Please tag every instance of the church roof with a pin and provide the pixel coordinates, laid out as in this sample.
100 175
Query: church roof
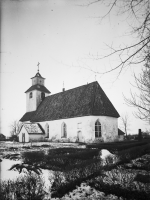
33 128
41 88
27 116
120 132
85 100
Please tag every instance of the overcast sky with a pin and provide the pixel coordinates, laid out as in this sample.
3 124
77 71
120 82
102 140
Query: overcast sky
64 36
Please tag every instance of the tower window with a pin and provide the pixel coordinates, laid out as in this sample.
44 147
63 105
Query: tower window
30 95
97 129
42 96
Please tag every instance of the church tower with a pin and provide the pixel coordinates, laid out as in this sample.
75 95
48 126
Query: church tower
36 93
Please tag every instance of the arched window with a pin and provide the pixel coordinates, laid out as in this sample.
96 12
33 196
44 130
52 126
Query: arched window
97 129
30 95
47 130
64 130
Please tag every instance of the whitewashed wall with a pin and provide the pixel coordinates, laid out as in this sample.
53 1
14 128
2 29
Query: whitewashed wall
32 103
36 137
86 126
121 137
23 130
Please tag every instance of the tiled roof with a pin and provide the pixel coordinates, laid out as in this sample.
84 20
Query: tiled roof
120 132
41 88
27 116
33 128
85 100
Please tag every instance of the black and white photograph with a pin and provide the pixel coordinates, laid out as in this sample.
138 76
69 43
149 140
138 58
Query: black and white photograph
75 100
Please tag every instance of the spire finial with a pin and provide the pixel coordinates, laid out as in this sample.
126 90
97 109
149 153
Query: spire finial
38 66
95 77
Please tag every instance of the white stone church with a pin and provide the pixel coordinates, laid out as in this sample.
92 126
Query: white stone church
82 114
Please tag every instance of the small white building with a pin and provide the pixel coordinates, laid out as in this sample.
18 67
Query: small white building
83 114
30 132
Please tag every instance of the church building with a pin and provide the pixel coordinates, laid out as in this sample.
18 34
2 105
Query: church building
81 114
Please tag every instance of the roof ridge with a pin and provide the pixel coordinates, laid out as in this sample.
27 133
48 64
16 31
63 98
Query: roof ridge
71 89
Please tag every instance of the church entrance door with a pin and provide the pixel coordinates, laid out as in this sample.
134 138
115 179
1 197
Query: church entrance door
80 136
23 137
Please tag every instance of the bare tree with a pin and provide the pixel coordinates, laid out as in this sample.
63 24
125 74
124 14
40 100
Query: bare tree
141 99
139 13
15 127
125 123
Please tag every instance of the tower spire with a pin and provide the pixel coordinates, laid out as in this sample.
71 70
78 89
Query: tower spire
38 66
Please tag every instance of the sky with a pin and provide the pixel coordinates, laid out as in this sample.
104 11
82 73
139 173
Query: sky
64 36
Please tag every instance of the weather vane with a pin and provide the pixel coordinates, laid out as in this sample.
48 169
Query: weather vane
38 66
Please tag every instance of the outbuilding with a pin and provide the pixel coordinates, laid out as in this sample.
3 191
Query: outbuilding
31 132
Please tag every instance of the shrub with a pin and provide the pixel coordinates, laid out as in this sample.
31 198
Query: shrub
64 151
67 158
26 147
70 179
33 157
132 153
73 178
14 156
61 159
119 146
14 138
13 148
36 146
117 190
27 167
99 140
139 163
25 187
142 178
45 145
119 176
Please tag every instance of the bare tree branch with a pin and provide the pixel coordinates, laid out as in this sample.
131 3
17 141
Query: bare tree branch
138 10
141 101
125 123
15 127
